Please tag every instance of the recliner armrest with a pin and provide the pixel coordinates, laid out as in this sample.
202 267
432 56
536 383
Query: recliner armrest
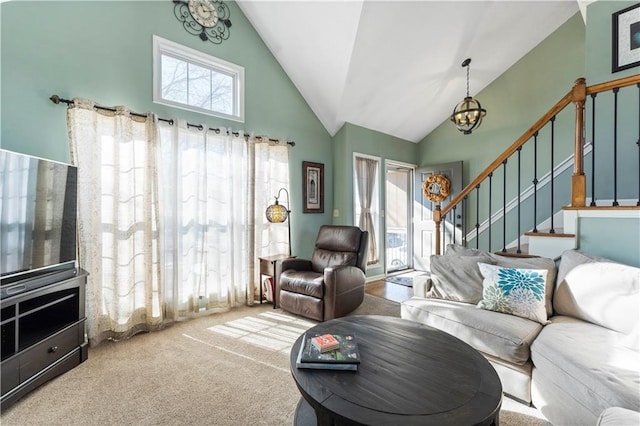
343 290
343 278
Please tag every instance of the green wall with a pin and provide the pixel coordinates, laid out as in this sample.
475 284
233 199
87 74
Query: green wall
103 51
514 101
352 139
599 41
616 239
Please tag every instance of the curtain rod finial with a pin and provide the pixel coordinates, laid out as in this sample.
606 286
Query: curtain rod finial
57 100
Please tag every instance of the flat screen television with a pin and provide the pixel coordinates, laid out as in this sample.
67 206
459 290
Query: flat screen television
38 214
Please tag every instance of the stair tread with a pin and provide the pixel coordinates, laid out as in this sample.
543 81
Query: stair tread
512 252
547 233
602 208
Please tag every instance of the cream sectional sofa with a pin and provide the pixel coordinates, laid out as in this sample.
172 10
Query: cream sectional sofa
577 356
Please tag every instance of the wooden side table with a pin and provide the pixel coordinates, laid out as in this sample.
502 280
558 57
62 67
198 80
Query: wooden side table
268 268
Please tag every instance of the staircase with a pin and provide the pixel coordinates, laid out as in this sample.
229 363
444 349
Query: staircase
555 204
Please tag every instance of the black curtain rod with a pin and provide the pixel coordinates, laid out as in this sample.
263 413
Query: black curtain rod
57 99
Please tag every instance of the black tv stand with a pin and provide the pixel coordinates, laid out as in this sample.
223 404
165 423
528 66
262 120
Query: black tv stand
43 335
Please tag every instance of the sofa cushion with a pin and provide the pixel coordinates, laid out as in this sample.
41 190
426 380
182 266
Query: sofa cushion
519 292
600 291
458 250
589 363
515 262
504 336
457 278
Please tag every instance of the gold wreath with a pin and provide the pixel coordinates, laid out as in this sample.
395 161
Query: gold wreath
441 182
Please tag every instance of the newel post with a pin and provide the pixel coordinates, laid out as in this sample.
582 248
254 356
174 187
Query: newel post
578 180
437 218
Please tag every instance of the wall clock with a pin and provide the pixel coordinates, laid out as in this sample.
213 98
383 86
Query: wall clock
207 19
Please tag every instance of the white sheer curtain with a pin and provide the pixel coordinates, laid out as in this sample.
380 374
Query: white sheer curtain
171 218
118 219
204 199
271 174
366 173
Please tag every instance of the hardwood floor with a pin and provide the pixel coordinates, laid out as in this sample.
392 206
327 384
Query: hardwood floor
390 291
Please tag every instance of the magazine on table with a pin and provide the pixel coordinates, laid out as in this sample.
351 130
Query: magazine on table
345 357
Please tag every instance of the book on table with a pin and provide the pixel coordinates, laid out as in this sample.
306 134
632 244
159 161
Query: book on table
325 342
344 357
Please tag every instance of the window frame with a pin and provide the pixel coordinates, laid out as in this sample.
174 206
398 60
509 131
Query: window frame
177 51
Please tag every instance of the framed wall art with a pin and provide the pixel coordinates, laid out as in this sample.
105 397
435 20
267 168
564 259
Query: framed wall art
312 187
625 51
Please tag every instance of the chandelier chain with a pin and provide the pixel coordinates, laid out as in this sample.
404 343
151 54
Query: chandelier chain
467 81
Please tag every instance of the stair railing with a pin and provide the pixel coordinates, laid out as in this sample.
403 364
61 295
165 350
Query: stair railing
577 95
593 91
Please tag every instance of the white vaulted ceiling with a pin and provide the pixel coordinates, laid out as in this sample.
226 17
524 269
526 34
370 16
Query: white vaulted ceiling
395 66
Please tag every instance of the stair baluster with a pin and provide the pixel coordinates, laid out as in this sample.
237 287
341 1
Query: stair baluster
553 132
593 149
519 228
535 182
504 206
444 229
464 220
490 199
615 147
477 215
454 223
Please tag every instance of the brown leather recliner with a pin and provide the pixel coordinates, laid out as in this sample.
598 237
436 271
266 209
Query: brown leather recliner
331 284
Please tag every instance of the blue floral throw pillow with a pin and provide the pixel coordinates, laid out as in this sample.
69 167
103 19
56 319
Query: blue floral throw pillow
514 291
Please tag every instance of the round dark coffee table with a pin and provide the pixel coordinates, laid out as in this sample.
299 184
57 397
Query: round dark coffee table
410 374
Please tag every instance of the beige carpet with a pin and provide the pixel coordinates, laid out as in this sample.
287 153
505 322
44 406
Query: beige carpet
224 369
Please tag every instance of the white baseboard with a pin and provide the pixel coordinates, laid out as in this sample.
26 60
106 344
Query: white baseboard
375 278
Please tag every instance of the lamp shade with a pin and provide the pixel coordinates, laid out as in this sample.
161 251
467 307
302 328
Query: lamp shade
276 213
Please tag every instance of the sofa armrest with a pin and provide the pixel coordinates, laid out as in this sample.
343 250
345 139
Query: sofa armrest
421 285
618 416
